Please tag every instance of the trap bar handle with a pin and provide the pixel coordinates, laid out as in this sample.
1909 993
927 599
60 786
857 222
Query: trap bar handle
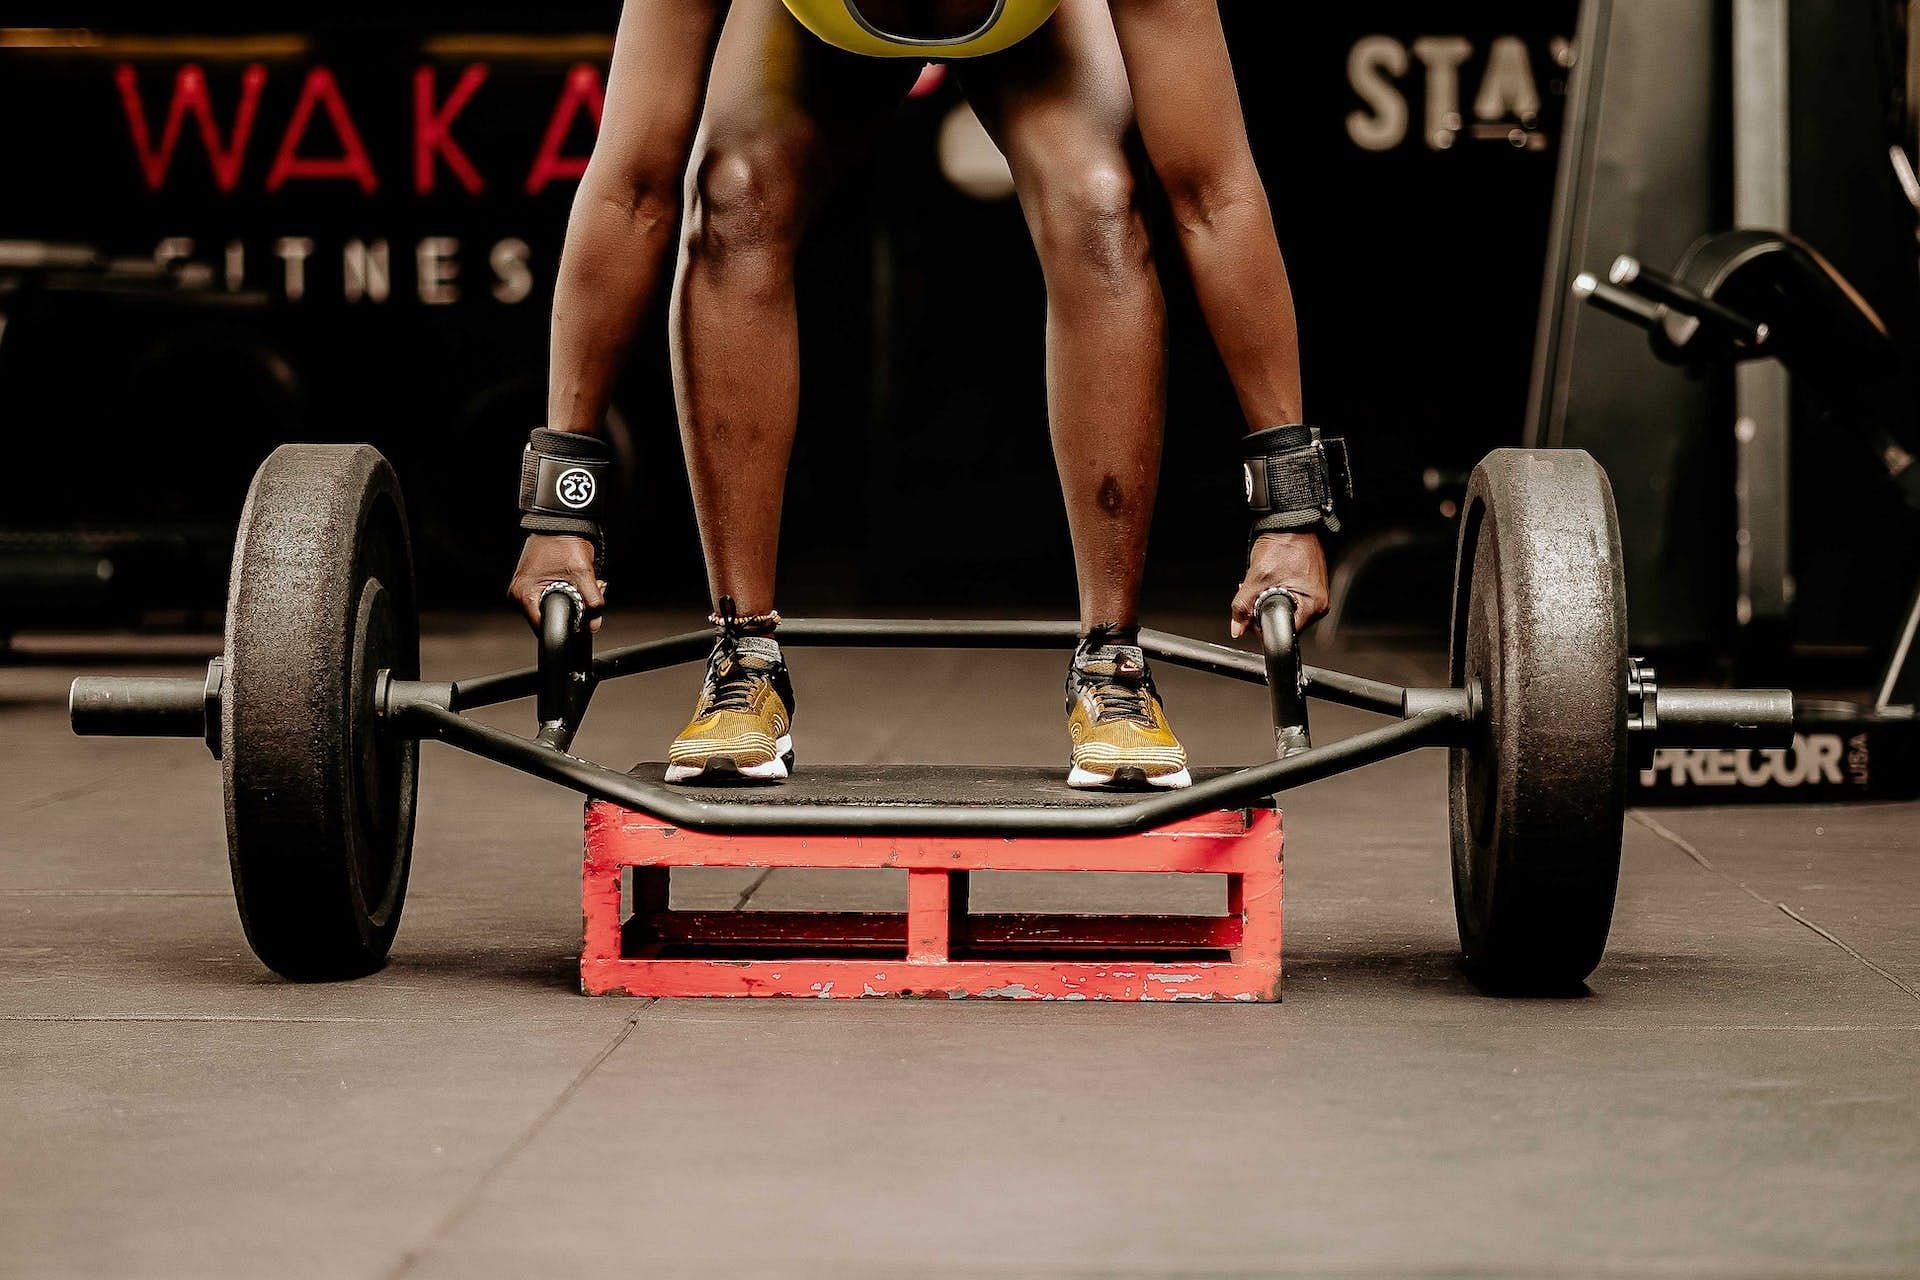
1286 677
566 667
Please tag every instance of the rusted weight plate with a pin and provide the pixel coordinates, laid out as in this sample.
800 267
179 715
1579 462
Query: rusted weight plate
319 803
1538 798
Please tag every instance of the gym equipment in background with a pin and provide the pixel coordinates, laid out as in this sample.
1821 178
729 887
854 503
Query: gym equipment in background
1749 296
316 710
1686 117
1761 538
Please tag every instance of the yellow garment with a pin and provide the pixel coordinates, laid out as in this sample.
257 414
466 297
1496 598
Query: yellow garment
925 29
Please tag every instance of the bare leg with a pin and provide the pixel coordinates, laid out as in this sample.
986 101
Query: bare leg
1196 135
617 235
782 112
627 204
1059 107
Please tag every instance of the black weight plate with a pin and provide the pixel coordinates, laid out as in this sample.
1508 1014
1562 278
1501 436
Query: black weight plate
1539 797
319 803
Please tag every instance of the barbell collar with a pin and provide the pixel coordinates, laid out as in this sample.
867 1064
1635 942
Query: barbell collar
1455 704
393 699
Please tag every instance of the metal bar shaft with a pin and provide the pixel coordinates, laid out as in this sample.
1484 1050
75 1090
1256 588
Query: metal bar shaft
1762 32
692 646
684 809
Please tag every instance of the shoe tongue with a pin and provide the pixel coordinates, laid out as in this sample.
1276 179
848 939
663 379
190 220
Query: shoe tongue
757 651
1126 661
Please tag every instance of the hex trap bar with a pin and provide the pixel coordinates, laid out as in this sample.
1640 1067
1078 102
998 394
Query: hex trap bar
568 672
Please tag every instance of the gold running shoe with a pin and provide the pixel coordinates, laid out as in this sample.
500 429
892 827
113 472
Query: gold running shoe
1119 729
742 727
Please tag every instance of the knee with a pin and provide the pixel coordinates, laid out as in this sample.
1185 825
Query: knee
1198 197
639 191
1089 223
745 198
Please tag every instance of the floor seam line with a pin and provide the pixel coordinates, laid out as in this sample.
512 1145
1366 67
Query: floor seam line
55 797
1791 914
467 1202
1687 848
115 893
195 1017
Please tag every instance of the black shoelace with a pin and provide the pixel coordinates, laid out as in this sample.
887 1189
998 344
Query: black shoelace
1118 701
731 684
1120 694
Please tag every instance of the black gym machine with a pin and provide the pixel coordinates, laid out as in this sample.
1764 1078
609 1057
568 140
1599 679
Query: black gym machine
1709 312
1780 115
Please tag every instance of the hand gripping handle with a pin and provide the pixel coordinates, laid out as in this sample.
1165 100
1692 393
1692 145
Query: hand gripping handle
1286 678
566 665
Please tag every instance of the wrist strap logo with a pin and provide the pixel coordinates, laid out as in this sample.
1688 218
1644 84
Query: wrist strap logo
575 488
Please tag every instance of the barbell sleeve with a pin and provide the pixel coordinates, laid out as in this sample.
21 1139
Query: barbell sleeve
138 707
1759 718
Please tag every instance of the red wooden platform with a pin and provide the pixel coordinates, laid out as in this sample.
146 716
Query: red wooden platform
636 945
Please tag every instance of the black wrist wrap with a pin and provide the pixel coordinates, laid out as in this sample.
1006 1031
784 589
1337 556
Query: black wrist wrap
565 484
1295 478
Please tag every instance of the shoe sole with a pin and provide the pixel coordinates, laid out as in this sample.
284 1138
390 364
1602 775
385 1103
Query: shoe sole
722 769
1126 779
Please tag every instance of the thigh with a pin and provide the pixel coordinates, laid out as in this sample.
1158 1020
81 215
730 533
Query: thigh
1059 97
775 84
657 80
1189 104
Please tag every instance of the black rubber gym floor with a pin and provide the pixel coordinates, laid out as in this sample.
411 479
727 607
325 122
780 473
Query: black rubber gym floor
1738 1094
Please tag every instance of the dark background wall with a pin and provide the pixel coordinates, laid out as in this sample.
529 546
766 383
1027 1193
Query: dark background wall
1409 147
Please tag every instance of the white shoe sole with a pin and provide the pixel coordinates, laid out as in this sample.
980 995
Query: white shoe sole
1087 780
774 770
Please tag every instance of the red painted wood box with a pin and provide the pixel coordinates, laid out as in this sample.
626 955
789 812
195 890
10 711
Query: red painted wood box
636 945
